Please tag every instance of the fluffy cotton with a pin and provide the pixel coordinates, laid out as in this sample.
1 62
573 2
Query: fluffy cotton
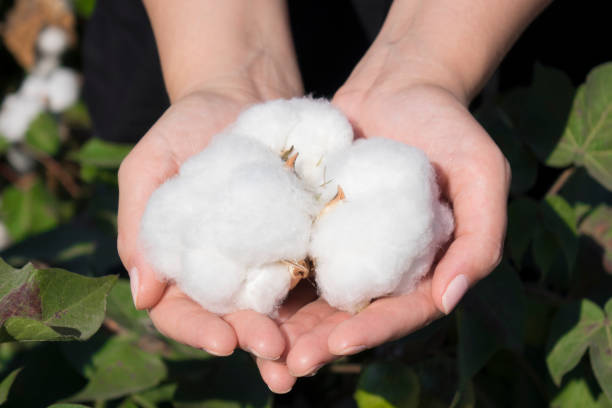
16 113
62 89
313 128
383 236
52 41
222 227
228 227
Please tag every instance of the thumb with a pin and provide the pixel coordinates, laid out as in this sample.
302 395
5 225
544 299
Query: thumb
141 172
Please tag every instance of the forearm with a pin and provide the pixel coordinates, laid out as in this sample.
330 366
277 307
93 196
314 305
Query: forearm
455 44
229 43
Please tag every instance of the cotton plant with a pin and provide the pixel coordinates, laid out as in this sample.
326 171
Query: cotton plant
48 87
286 193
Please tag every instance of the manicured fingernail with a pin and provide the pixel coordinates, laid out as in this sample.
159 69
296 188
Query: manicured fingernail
258 355
134 284
218 354
352 349
281 392
313 371
454 292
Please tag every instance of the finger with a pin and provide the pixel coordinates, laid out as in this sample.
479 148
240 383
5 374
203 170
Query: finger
479 207
310 351
257 334
183 320
384 320
276 375
145 168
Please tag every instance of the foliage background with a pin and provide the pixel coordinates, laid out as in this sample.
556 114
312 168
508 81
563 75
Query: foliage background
537 332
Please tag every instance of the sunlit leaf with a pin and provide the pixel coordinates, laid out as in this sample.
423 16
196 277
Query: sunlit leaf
575 394
387 385
50 304
571 333
6 383
102 154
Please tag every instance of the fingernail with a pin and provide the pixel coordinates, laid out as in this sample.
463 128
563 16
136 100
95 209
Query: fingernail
218 354
258 355
454 292
353 349
313 371
281 392
134 284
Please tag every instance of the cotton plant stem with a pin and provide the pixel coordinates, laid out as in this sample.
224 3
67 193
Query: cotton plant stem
561 180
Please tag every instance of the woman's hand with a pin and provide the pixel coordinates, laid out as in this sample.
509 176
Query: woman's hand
475 178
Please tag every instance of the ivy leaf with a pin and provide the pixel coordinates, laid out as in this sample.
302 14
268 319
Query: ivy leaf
6 383
523 215
387 385
560 219
77 115
4 144
540 111
120 368
50 304
102 154
587 139
121 309
576 393
67 406
492 316
28 211
598 226
600 354
43 134
571 333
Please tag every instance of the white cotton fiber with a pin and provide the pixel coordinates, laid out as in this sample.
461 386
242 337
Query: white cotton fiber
233 208
313 128
62 89
230 227
385 233
52 41
16 113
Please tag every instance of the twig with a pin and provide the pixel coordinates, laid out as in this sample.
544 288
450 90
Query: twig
8 173
558 184
55 169
349 368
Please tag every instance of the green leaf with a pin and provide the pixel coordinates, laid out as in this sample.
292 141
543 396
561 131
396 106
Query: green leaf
576 394
600 354
4 144
540 111
50 304
6 383
155 396
571 333
603 401
43 134
598 226
120 308
120 368
492 317
77 115
560 219
387 385
84 8
587 139
67 406
28 211
102 154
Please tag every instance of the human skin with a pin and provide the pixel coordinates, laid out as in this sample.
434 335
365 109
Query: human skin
413 85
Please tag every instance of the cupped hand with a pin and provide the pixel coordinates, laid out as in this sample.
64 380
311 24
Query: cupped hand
184 130
474 176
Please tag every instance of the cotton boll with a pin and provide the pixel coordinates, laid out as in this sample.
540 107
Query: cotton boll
35 87
16 113
265 287
63 89
52 40
383 236
265 215
211 279
20 160
269 123
376 165
321 130
45 65
362 248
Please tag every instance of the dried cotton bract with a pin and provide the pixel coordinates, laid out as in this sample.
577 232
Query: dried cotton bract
285 192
